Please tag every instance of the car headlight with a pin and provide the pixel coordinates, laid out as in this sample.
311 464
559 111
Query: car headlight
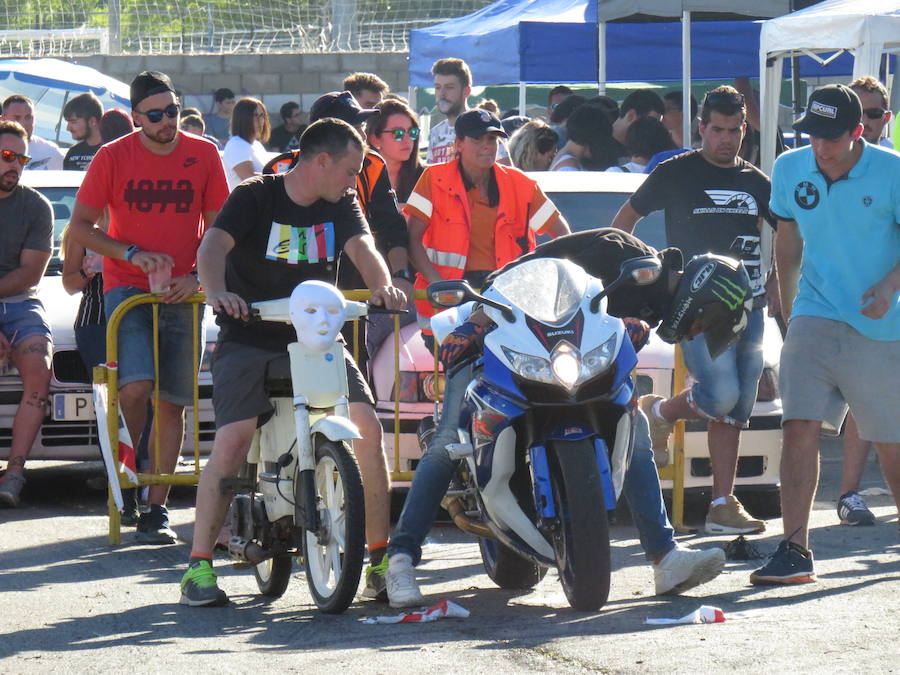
597 360
565 362
532 368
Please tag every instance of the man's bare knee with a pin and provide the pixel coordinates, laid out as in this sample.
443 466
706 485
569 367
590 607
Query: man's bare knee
135 393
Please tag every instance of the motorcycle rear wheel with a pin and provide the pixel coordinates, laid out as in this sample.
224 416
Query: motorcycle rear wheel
508 569
273 575
334 561
581 540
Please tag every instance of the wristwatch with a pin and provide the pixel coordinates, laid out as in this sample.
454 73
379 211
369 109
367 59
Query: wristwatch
130 251
405 274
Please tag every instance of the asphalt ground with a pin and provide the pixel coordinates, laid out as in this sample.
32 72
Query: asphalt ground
73 603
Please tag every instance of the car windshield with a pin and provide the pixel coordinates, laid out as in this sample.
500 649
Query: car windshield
548 290
63 201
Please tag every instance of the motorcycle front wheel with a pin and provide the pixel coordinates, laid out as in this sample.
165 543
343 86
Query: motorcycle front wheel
581 538
508 569
334 554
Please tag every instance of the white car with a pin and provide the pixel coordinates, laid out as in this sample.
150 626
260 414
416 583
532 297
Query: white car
589 200
69 432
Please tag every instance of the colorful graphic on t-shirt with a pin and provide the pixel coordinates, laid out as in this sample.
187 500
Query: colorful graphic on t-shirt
294 245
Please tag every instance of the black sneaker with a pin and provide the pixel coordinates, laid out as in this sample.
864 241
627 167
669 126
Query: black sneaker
130 512
852 510
790 564
153 527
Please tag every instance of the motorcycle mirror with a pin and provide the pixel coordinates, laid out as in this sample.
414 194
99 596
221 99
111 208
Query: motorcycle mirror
449 293
640 271
643 271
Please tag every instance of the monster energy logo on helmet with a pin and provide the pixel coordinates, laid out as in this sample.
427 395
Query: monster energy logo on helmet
729 292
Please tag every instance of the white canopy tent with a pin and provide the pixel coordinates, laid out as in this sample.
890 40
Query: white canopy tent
612 10
867 29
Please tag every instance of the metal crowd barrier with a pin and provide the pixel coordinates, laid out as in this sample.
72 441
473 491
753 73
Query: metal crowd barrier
674 471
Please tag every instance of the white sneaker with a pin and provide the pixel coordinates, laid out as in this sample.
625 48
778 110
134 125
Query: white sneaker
402 589
684 568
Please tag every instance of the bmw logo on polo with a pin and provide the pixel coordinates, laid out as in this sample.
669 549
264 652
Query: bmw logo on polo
701 276
806 195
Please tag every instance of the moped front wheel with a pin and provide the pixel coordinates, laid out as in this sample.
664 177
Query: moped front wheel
334 554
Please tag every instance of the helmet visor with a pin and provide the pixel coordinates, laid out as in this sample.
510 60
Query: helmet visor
721 327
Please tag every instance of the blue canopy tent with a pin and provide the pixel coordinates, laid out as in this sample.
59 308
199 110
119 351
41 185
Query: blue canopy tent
552 41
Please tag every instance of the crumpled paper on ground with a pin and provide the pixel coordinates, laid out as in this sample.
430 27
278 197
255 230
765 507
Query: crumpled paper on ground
703 614
443 609
874 492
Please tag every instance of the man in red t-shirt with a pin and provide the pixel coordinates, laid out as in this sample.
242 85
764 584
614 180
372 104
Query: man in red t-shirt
162 188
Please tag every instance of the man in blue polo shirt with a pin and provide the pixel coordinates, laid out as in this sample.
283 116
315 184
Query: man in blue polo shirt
838 208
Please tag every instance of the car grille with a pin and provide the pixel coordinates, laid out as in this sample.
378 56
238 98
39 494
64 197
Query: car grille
65 434
69 368
747 467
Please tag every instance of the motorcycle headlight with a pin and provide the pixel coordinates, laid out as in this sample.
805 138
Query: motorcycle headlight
597 360
532 368
566 364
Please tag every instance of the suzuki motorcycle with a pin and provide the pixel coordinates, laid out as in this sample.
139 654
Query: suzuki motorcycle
547 426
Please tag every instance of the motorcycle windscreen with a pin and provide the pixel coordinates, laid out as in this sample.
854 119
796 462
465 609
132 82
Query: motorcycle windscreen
546 289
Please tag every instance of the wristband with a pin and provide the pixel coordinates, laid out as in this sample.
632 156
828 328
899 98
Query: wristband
130 252
404 274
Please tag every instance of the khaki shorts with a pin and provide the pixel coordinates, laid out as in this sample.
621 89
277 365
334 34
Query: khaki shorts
827 366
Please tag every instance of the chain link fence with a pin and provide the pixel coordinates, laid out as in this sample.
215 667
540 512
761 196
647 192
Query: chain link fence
85 27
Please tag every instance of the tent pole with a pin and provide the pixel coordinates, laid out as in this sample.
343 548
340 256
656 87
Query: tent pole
686 78
412 96
601 58
523 90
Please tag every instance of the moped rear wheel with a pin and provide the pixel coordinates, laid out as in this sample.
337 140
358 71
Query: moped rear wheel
581 538
273 575
334 554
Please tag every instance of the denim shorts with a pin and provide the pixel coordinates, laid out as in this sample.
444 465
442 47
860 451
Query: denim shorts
827 365
724 390
20 320
177 365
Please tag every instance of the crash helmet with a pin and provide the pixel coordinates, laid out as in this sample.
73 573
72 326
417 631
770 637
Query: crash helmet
714 290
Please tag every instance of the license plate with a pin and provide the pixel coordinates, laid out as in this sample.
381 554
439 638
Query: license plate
73 407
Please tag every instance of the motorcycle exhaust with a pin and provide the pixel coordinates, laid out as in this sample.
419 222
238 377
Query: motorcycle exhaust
248 552
457 512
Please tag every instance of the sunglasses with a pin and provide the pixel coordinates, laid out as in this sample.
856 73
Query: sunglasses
399 133
156 115
874 113
10 156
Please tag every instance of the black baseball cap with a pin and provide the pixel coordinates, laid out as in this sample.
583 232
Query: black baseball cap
343 106
476 123
149 83
831 112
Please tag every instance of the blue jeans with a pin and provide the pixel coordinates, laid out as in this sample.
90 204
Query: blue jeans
177 364
435 470
725 389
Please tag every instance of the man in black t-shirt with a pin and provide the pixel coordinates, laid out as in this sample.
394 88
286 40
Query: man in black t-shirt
714 202
286 136
600 253
273 233
82 114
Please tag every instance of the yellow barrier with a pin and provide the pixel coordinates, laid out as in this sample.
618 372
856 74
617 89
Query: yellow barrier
674 471
110 375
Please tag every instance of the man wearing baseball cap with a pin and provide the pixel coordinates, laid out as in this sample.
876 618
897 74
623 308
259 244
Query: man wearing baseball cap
837 250
472 215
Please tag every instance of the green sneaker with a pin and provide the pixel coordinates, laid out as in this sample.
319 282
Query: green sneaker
376 587
198 586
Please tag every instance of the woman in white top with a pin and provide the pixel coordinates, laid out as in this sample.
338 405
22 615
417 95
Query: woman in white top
244 154
589 145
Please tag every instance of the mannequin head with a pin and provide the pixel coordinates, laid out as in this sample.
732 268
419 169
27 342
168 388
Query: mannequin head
318 312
